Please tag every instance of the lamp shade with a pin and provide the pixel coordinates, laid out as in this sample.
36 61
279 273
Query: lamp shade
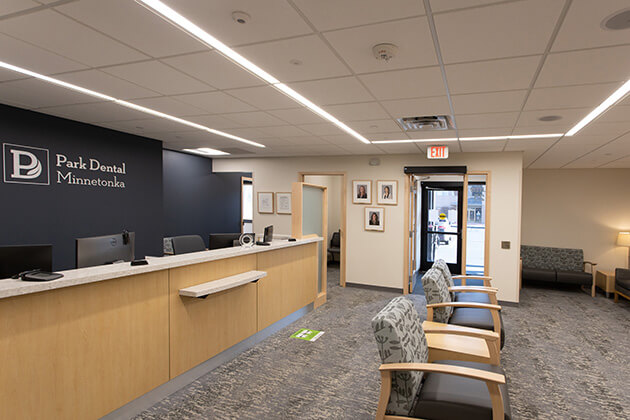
623 239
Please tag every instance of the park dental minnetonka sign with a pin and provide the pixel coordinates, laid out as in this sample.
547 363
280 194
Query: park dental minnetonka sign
31 165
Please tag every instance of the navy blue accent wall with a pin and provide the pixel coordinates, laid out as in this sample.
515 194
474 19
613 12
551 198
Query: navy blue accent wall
82 201
198 201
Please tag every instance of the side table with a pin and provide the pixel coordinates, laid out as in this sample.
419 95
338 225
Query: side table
605 280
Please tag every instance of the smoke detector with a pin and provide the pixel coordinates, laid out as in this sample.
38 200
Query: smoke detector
617 21
241 17
384 52
426 123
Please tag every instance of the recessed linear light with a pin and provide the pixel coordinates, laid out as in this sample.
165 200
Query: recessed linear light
610 101
195 31
206 151
525 136
124 103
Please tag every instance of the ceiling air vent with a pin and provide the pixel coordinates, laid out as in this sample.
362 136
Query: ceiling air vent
428 123
236 151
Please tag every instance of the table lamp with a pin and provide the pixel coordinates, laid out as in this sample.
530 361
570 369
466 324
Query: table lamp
623 239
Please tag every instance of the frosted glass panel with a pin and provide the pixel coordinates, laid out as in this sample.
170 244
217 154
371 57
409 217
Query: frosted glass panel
312 207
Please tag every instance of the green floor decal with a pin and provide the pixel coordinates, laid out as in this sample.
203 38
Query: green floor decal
308 335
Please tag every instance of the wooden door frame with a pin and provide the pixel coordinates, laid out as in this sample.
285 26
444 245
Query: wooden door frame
407 192
343 233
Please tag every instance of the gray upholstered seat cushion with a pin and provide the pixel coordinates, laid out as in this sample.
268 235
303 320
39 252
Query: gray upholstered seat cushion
622 281
574 277
446 397
400 339
476 318
436 291
539 274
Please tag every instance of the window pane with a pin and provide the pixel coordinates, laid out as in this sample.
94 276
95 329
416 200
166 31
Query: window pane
442 246
476 229
442 211
248 202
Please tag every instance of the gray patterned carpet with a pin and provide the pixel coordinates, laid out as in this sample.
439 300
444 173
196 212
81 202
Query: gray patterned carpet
566 356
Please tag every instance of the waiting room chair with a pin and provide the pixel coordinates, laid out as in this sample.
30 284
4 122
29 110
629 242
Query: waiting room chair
414 387
467 292
335 245
622 283
187 243
442 308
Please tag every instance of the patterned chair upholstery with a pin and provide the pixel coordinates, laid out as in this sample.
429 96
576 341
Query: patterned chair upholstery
400 339
554 265
461 297
436 291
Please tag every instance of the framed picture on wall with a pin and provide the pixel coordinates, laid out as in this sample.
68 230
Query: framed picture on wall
375 218
283 203
387 192
265 202
362 192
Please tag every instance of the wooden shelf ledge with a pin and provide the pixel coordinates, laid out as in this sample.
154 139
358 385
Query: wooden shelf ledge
219 285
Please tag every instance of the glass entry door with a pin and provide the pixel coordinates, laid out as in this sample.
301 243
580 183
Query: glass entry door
440 224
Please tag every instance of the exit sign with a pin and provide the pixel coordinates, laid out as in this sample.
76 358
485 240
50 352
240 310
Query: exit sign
437 152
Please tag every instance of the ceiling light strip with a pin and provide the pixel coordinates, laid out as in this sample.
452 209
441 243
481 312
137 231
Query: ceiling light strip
186 25
414 140
610 101
206 151
524 136
124 103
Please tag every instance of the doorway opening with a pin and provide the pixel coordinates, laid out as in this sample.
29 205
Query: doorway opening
448 219
336 240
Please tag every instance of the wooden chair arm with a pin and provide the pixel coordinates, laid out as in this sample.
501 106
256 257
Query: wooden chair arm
431 327
477 289
464 276
465 305
464 372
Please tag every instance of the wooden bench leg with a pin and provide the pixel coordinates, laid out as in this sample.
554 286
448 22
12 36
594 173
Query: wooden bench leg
616 297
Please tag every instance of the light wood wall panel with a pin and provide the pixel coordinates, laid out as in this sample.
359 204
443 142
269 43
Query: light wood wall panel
202 328
83 351
291 282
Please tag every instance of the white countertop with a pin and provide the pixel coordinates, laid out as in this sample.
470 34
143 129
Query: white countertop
9 287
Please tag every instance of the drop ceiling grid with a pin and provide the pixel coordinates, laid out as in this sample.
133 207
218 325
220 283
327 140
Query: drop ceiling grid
383 75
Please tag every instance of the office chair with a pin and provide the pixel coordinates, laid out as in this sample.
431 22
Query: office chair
187 243
335 245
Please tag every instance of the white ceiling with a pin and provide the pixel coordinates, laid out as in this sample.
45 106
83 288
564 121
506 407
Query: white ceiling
497 66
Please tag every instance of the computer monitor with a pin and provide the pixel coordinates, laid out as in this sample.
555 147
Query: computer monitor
19 258
107 249
222 240
268 235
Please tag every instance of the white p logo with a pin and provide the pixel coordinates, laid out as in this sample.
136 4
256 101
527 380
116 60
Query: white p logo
25 165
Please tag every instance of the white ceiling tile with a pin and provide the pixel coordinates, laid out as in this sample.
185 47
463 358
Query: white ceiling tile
333 91
340 139
441 134
503 30
569 117
321 129
264 98
22 54
284 131
539 145
6 75
33 93
495 75
169 106
270 19
484 132
618 113
334 14
494 120
569 96
214 69
437 105
376 126
158 77
591 66
254 119
105 83
145 125
249 133
362 149
315 58
392 135
442 5
215 102
561 154
583 140
411 36
582 26
54 32
357 112
611 129
482 146
488 102
297 116
619 163
409 83
122 20
295 140
214 121
14 6
94 112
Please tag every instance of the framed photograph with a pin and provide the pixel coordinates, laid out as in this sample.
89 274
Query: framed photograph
375 218
283 203
387 192
265 202
362 192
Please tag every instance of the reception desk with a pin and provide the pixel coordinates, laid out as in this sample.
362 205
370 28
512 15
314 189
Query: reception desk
90 342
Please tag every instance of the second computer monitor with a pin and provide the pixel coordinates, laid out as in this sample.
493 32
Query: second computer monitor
268 235
222 240
107 249
19 258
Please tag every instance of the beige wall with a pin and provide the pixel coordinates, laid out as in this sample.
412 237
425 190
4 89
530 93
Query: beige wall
334 184
578 208
376 258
